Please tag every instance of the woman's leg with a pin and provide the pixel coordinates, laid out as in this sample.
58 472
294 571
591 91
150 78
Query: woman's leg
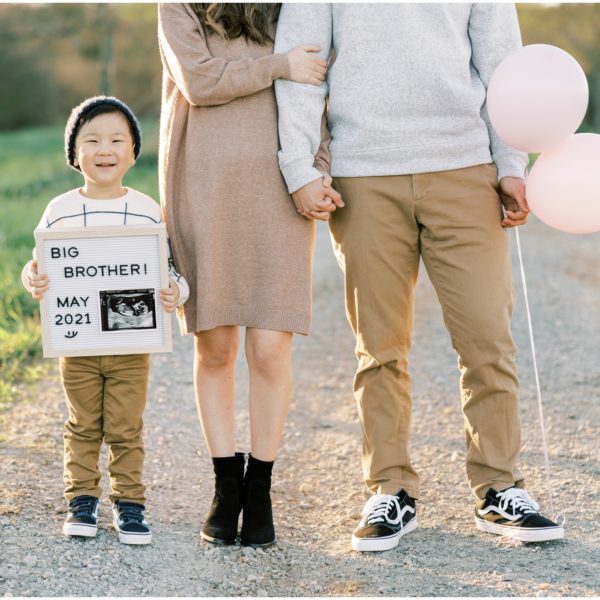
269 362
214 380
270 370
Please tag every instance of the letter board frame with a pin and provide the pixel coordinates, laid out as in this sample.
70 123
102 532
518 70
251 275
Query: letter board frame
104 284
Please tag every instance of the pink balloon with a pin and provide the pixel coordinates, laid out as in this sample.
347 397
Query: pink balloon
537 97
563 187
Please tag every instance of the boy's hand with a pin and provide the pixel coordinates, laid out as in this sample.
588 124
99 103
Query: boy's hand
512 195
37 283
169 297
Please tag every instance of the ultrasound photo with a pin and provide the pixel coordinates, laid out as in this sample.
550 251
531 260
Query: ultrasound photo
127 309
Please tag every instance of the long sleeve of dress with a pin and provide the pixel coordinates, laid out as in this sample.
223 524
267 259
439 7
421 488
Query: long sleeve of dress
205 80
494 33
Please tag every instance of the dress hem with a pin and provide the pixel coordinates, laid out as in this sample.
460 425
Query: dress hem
244 316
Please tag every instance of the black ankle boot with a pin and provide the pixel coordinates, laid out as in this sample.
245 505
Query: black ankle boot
257 524
221 523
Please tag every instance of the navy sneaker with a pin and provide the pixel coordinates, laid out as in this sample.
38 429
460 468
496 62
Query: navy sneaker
385 519
82 518
515 514
129 522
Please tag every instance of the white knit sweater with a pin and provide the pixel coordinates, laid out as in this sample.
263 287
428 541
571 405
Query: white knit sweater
73 209
406 91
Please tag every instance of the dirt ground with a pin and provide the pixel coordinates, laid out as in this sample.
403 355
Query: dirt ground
318 491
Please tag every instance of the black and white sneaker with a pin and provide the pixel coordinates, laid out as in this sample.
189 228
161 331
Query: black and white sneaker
82 518
129 522
514 514
385 519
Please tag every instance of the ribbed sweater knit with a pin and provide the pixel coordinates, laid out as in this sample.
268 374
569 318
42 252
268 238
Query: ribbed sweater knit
406 91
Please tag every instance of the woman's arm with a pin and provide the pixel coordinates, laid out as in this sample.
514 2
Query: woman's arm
323 158
203 79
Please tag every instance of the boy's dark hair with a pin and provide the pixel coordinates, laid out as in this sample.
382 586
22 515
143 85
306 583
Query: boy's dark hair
90 108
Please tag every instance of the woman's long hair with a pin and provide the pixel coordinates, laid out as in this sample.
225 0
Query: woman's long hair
254 21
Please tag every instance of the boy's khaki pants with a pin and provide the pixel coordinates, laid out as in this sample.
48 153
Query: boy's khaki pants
450 219
106 396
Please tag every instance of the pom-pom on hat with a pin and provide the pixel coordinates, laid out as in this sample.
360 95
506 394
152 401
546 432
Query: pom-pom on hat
80 112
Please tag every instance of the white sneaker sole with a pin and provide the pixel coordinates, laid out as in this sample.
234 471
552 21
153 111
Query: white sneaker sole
132 538
381 544
522 534
80 529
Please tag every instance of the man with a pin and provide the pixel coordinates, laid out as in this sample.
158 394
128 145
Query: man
422 175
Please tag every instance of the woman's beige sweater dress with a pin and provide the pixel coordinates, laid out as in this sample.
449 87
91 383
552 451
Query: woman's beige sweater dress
235 232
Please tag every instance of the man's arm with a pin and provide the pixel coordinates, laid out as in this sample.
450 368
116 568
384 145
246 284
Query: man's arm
301 105
494 32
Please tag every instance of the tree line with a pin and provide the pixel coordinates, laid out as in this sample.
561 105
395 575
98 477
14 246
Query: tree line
54 55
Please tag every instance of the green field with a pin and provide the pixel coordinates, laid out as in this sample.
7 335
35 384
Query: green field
32 172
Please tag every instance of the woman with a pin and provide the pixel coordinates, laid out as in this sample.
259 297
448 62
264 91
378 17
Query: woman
237 237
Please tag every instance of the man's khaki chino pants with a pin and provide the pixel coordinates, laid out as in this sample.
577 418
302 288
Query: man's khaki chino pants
450 219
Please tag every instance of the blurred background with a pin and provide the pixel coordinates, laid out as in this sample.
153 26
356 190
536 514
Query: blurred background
53 56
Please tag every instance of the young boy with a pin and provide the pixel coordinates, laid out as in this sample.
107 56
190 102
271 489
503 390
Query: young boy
105 395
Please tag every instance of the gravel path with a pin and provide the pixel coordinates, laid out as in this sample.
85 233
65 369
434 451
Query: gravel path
318 491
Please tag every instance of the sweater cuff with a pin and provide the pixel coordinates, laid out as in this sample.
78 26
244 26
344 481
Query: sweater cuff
184 291
511 165
299 172
24 276
281 66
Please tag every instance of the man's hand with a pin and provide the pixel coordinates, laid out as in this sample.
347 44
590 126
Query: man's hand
317 199
169 297
512 195
38 283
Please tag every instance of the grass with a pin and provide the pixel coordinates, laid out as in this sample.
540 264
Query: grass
32 172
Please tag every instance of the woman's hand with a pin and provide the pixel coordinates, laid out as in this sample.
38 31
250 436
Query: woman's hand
37 283
317 199
169 297
306 67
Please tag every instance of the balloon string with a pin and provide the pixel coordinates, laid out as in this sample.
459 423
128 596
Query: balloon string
537 379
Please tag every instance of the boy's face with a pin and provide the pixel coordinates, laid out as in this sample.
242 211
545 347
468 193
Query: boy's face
104 149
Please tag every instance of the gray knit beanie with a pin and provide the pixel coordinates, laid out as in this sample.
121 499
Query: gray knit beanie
78 117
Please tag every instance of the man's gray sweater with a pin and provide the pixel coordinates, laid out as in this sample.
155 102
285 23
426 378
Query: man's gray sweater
406 90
